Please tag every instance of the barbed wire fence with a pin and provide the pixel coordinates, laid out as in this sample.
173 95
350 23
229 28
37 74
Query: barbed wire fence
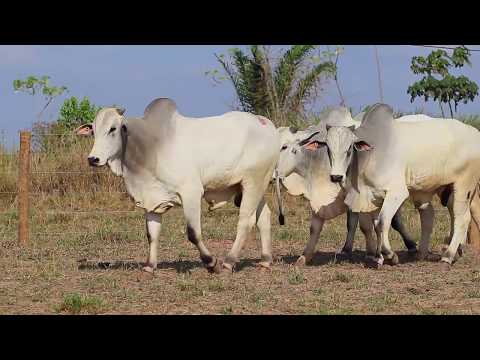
24 197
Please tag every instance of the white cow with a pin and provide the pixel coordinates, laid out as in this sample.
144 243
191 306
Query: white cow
167 159
388 161
307 172
295 160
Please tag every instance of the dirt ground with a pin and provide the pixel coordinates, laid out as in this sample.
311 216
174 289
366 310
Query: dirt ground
47 277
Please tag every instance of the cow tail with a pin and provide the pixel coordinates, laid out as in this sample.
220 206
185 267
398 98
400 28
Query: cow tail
281 217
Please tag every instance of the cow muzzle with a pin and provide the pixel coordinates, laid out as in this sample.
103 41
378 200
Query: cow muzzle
93 161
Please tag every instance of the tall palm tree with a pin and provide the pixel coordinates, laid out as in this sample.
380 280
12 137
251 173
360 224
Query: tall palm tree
279 90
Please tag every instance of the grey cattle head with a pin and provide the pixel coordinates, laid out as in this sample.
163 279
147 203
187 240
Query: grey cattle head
290 157
341 142
108 129
298 154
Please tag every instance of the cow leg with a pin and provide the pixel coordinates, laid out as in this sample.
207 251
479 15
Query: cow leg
462 217
474 232
427 215
352 222
316 225
391 204
192 211
153 227
263 219
251 198
366 226
448 239
398 226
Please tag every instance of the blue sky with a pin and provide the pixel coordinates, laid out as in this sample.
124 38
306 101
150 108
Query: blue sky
132 76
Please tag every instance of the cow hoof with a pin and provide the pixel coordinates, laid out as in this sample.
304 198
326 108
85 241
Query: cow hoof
373 263
393 261
301 261
148 269
229 267
215 268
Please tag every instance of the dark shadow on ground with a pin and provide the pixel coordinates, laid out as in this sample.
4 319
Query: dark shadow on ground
181 266
358 257
246 263
326 257
405 257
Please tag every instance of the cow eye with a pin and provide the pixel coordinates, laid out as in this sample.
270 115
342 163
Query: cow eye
283 147
112 129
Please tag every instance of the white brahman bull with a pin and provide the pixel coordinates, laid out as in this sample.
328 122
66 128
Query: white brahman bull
383 162
167 159
310 170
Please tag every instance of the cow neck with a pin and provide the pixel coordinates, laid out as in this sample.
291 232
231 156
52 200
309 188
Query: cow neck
141 149
116 164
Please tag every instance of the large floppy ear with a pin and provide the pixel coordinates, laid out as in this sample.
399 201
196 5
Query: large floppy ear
312 144
361 145
305 141
84 130
120 111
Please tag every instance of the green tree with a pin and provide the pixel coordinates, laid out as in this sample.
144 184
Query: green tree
277 89
438 83
33 85
74 113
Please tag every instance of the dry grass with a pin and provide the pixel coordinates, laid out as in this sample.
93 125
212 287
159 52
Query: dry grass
46 277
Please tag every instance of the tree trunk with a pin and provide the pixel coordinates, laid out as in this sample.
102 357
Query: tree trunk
277 116
342 99
380 88
441 108
450 106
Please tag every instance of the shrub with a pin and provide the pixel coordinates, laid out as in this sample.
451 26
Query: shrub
78 304
74 113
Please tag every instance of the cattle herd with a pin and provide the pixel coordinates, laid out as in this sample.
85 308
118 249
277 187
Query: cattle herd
366 166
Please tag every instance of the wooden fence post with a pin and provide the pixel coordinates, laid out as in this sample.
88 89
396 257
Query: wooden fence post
24 187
